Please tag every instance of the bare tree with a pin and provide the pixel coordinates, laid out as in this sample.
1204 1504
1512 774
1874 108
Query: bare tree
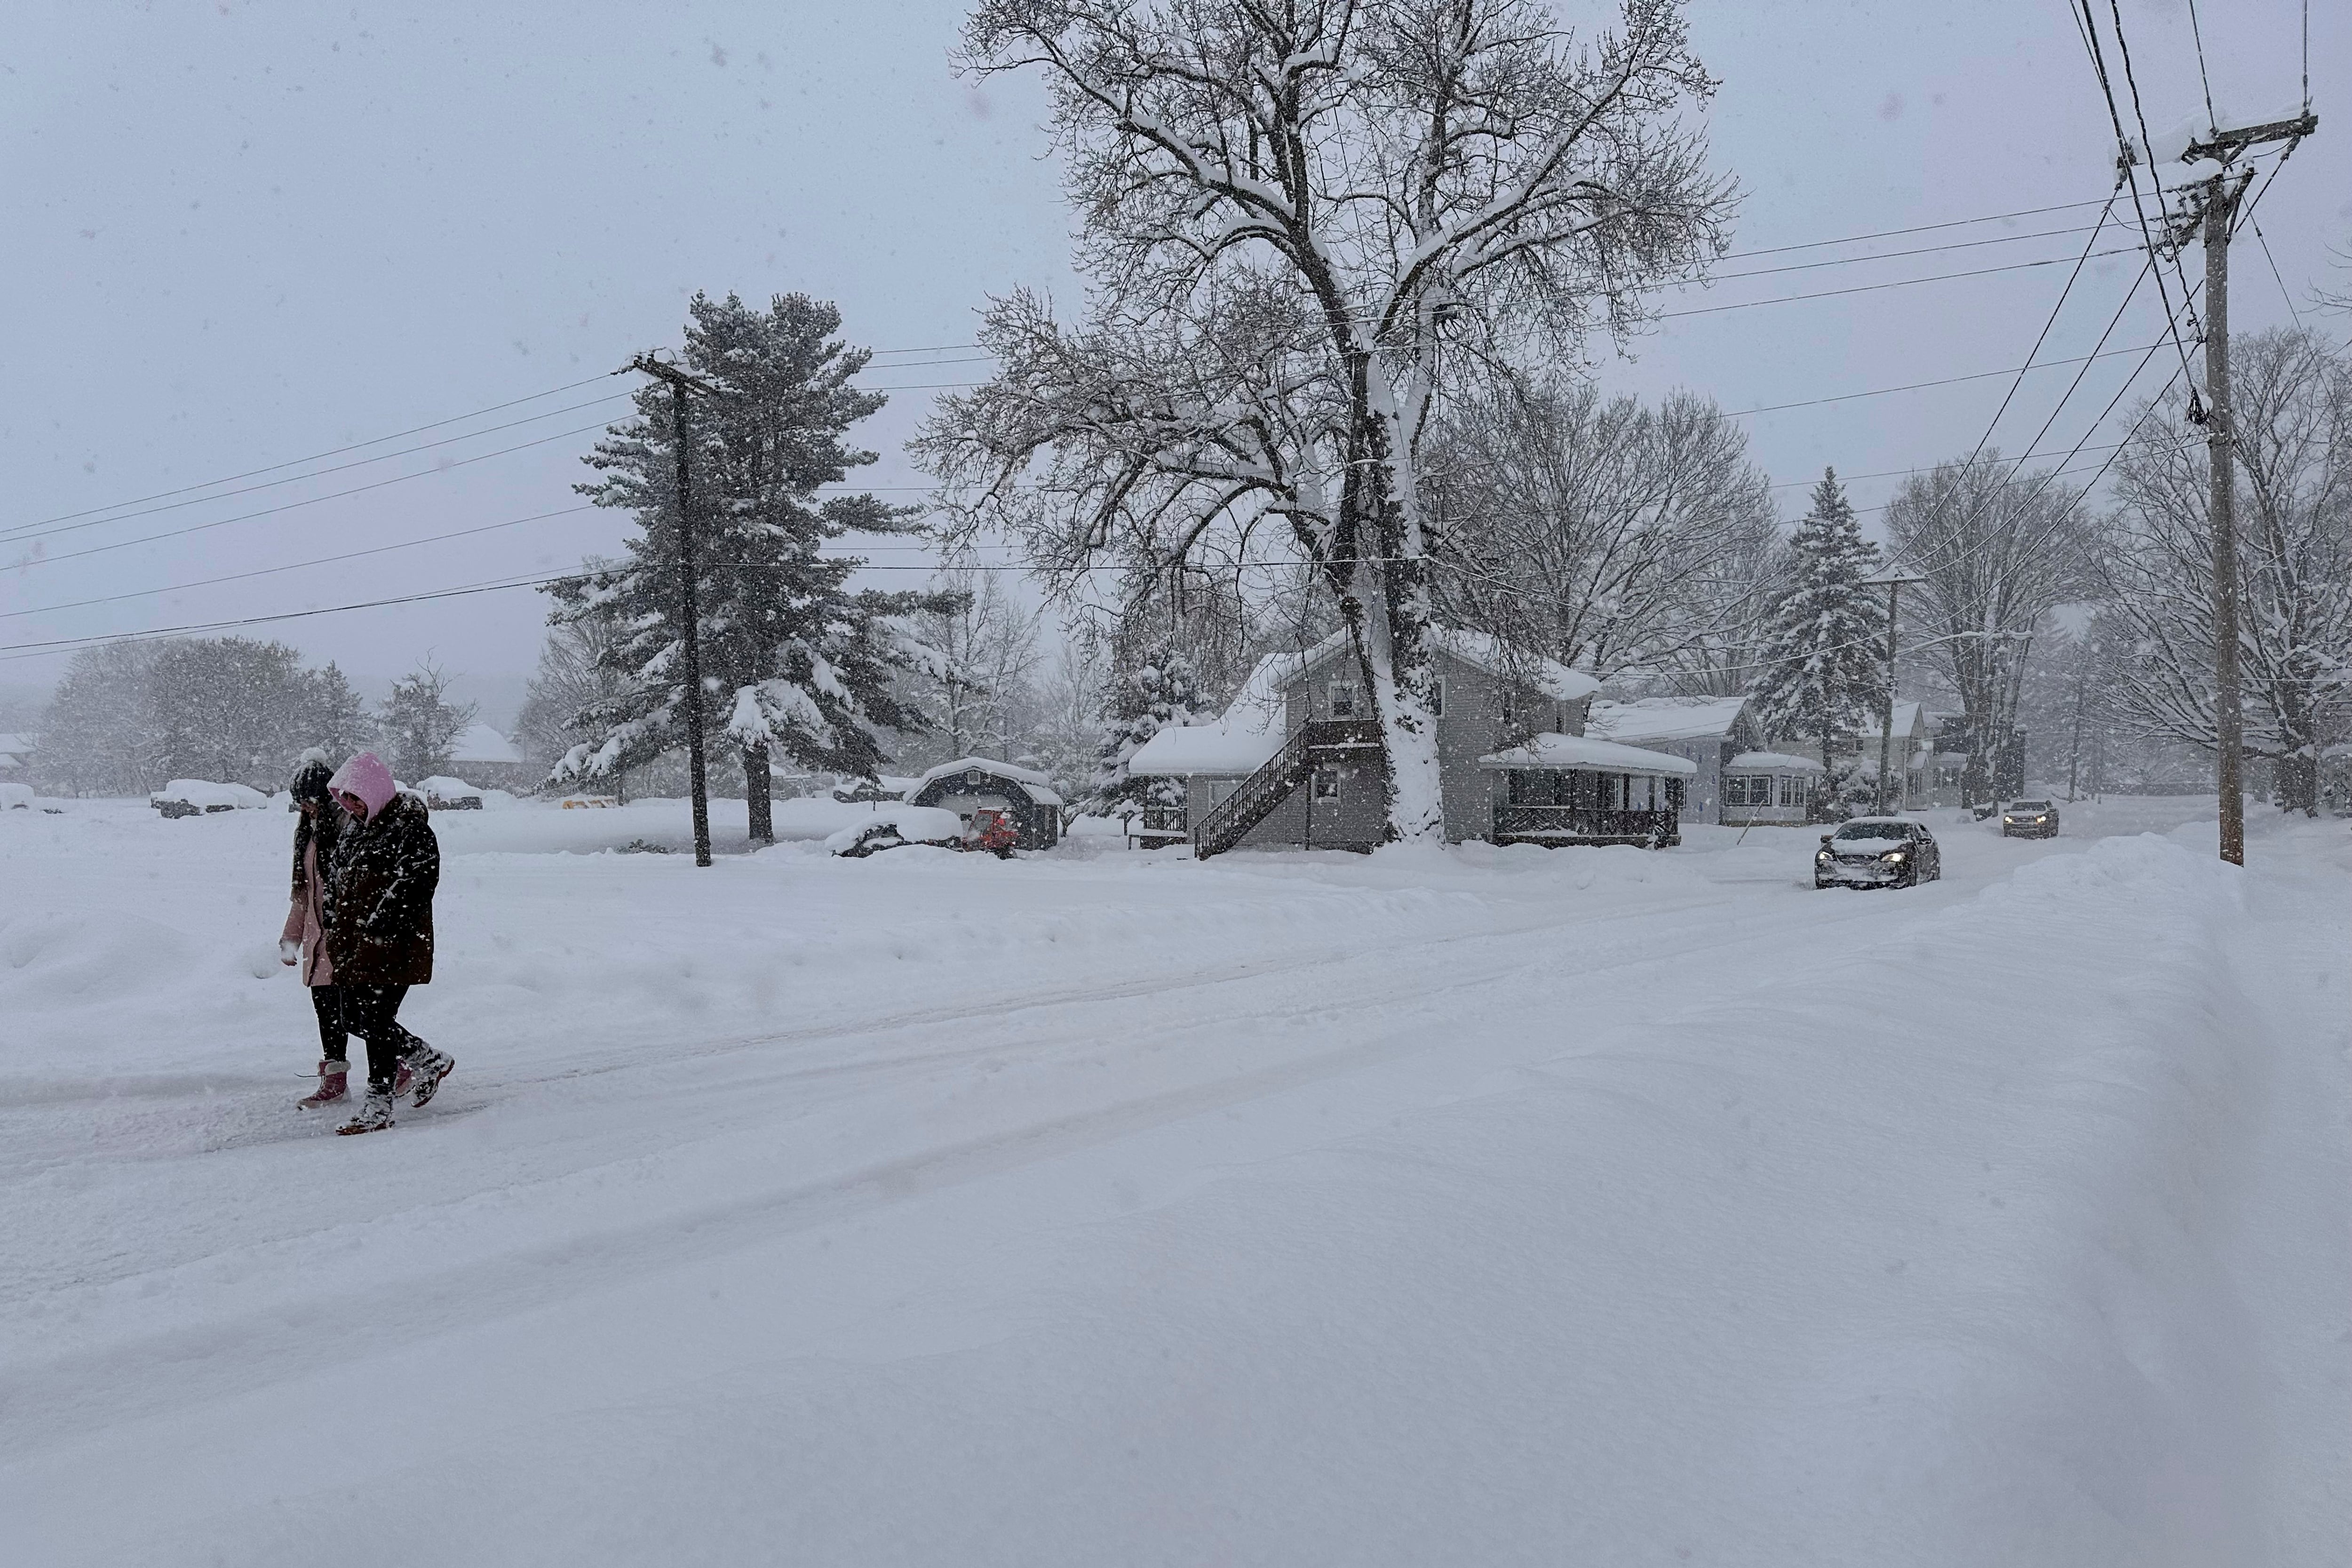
2000 549
1607 535
2292 408
1299 220
975 689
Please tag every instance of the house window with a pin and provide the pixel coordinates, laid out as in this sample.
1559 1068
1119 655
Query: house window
1326 781
1748 789
1345 699
1531 786
1793 790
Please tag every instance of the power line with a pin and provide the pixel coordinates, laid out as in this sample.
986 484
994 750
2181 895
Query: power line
316 473
1922 385
299 566
1919 228
1899 283
2212 119
291 506
1884 255
2291 310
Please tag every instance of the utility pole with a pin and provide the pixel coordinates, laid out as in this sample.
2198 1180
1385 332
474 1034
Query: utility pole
2219 196
1894 586
689 610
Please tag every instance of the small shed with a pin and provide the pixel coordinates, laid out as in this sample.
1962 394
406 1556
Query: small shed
486 760
1770 788
969 784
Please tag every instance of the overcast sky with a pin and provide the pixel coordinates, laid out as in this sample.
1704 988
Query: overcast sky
239 233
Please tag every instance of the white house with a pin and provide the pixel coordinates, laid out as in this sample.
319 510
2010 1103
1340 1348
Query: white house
488 760
1707 731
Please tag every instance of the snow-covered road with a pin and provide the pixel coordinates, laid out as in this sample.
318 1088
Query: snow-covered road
1477 1208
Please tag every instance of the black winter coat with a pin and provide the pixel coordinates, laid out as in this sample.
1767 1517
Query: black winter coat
324 827
379 896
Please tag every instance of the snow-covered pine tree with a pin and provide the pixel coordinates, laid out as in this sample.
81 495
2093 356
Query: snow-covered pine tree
1156 688
791 658
1823 661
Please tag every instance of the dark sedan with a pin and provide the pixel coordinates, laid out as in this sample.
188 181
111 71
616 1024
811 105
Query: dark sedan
2030 819
1878 852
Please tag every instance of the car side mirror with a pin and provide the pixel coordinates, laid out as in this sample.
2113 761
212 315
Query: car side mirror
1825 838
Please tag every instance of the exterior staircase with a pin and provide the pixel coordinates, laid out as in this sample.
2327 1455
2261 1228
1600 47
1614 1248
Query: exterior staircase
1308 747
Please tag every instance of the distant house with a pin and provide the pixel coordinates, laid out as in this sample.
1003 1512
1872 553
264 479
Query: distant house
971 784
1707 731
1911 757
15 757
1297 761
488 760
1770 789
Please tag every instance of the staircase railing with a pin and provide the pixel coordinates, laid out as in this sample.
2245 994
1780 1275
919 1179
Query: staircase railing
1228 822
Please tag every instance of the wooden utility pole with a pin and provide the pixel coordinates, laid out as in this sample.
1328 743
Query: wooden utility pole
2228 723
689 609
1894 586
2221 195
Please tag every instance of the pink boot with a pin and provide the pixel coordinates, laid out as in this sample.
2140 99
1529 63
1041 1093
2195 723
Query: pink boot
334 1084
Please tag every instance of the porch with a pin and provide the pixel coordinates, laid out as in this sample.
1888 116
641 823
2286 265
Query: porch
1562 790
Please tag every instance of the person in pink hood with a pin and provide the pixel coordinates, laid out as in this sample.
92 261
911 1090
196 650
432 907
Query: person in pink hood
377 912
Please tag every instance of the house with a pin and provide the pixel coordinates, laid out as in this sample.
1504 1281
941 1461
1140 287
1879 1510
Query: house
970 784
1297 761
16 757
488 760
1911 755
1707 731
1770 789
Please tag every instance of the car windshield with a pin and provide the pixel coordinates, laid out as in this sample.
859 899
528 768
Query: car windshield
1852 830
2029 806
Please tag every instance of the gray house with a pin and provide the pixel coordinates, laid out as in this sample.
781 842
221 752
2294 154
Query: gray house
1707 731
1297 761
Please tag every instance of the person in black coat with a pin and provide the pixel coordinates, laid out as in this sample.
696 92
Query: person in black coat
379 927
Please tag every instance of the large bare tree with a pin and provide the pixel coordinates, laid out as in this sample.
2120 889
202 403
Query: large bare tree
2000 547
1299 220
2291 407
1617 538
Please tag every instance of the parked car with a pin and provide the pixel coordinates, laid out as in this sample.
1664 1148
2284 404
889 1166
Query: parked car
893 827
444 794
198 797
1878 852
2030 819
14 796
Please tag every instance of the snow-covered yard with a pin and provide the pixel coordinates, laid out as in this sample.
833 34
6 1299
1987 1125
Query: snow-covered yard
1479 1207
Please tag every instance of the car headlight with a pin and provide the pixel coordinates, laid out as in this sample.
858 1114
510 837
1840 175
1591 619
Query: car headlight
1822 857
1895 855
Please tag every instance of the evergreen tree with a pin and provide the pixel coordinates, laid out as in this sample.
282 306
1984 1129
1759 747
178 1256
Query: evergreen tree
791 658
1153 689
333 718
1823 659
95 736
421 725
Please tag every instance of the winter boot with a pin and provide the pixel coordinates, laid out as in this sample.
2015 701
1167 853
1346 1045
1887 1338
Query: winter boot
375 1114
334 1084
425 1067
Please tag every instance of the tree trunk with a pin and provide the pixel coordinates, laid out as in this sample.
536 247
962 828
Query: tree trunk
1389 612
755 793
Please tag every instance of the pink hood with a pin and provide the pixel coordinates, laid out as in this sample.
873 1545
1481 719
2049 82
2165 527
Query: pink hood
366 777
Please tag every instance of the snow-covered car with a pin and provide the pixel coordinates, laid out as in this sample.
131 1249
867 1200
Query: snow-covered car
15 797
2030 819
442 792
199 797
893 827
1878 852
861 792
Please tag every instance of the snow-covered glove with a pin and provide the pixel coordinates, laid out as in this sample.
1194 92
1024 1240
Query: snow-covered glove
289 952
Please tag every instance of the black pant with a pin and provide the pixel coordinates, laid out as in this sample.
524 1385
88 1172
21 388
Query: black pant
334 1040
368 1012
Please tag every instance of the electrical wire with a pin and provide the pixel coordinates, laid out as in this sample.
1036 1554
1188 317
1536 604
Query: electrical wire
2212 119
1898 283
2291 310
1918 229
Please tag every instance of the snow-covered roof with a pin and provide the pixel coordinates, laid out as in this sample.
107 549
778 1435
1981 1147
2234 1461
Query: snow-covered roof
1771 762
1585 753
481 743
1665 718
1034 785
1238 742
1907 718
447 788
